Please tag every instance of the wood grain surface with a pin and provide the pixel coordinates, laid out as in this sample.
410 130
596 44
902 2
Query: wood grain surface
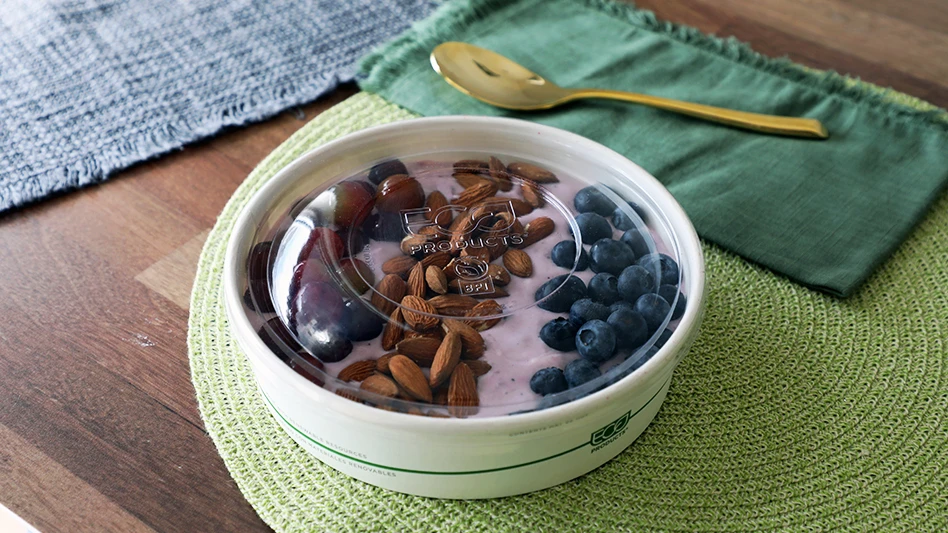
99 428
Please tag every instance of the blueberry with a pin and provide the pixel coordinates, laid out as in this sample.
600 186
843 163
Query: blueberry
558 299
638 210
667 266
384 227
580 371
359 322
607 255
663 338
642 358
630 328
621 220
654 309
621 304
584 310
635 281
596 341
604 288
668 292
548 381
564 255
379 172
592 200
636 242
559 334
593 227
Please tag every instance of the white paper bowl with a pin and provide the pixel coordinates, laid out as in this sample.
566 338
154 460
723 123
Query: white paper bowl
473 457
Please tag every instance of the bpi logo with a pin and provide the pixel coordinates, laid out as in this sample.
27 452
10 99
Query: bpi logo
487 226
614 429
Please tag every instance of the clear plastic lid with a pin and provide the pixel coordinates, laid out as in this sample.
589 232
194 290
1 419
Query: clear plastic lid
462 284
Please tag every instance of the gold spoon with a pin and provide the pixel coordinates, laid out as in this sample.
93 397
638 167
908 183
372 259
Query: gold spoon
496 80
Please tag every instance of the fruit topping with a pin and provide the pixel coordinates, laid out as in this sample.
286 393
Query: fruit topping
596 341
379 172
635 281
584 310
580 371
665 264
654 309
563 255
558 294
629 327
399 192
548 381
604 288
593 227
607 255
359 322
592 200
559 334
669 292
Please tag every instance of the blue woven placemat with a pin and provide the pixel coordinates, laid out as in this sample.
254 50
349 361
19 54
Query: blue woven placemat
88 87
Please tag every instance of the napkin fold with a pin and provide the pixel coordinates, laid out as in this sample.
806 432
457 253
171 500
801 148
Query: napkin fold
823 213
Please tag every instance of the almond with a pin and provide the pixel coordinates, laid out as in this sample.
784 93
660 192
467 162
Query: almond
398 265
380 384
390 290
412 244
499 274
520 207
532 173
518 263
531 193
436 280
440 397
393 331
439 259
446 358
349 395
358 371
475 194
421 350
416 281
496 292
499 172
486 308
456 286
467 180
470 165
434 203
453 304
494 240
472 344
418 313
462 392
410 377
432 333
479 252
537 229
382 363
478 367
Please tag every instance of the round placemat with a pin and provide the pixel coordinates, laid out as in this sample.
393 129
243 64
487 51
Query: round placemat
793 411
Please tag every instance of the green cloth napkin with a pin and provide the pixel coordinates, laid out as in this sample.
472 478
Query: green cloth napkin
824 213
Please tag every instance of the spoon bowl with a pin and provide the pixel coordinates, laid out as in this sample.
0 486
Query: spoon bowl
494 79
501 82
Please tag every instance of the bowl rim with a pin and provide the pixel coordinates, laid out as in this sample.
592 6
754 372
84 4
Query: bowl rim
681 229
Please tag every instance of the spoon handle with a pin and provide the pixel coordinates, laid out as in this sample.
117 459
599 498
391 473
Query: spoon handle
790 126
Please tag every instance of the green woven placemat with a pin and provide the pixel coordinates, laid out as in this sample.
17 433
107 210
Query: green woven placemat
794 411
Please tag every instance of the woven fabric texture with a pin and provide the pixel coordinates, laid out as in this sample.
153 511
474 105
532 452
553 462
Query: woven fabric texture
88 87
794 411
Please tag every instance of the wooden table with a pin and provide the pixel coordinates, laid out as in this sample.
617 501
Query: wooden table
99 429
